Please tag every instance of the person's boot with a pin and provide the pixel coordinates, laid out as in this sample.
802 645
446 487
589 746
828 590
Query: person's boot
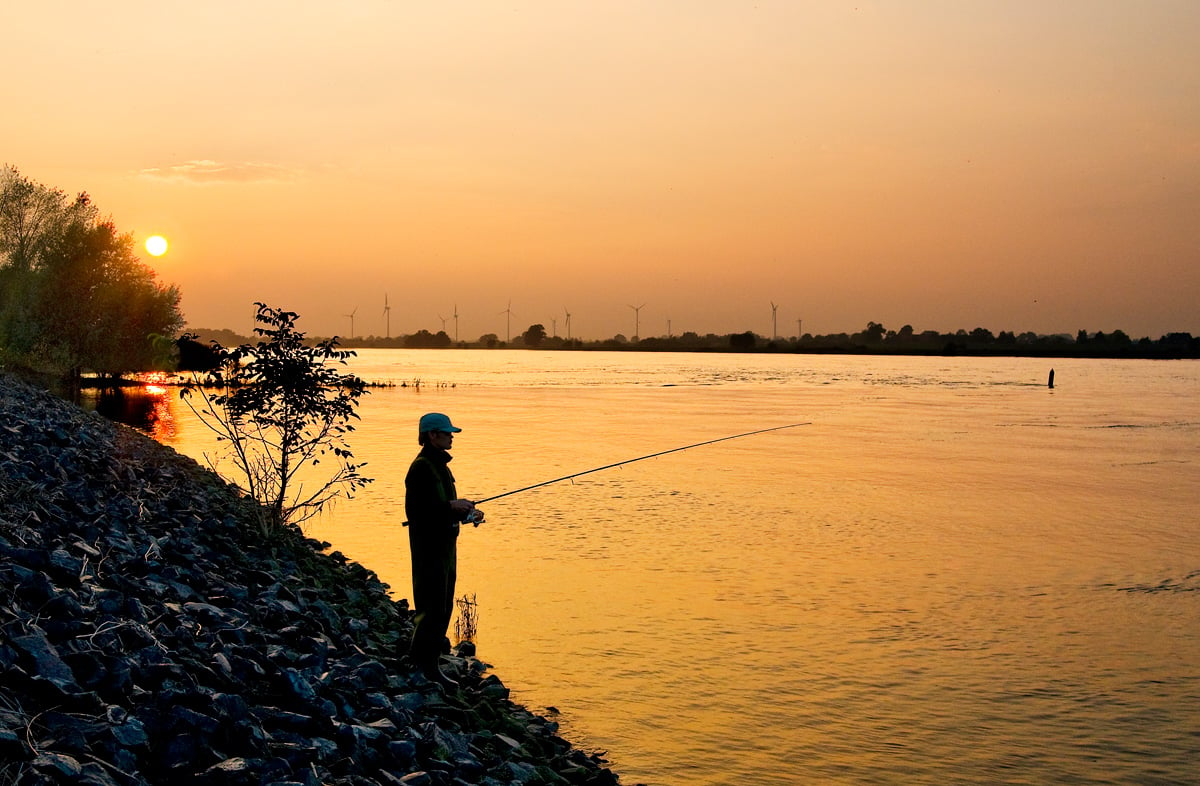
435 675
432 671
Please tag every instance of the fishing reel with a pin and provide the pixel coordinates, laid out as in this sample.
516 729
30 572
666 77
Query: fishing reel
475 517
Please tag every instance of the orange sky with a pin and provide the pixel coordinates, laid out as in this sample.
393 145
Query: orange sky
1007 164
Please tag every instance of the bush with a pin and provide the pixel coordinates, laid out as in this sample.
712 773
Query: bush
278 407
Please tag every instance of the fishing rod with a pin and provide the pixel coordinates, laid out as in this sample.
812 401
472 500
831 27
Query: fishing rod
640 458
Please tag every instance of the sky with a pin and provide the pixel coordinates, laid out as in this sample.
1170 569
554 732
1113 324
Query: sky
648 167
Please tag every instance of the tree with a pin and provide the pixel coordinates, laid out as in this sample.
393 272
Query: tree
982 336
423 339
98 307
874 333
742 342
279 408
73 293
534 335
33 216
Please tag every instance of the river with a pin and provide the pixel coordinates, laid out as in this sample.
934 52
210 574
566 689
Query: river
952 574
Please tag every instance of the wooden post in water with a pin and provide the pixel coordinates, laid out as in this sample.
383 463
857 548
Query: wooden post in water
1050 382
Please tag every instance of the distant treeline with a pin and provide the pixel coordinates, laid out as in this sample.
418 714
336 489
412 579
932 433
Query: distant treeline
873 340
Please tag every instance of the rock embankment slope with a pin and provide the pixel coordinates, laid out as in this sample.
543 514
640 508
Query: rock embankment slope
149 635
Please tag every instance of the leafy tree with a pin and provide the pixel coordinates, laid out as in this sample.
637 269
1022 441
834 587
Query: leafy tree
742 342
98 307
534 335
874 333
982 336
33 217
73 293
423 339
280 408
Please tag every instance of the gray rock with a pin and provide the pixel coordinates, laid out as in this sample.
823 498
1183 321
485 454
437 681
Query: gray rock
46 662
58 764
130 733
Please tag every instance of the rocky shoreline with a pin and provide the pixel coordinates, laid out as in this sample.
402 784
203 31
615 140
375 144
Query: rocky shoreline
149 635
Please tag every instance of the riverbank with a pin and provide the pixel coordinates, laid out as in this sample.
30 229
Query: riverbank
149 635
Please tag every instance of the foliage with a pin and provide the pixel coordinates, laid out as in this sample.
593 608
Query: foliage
73 293
742 342
33 217
534 336
423 339
280 408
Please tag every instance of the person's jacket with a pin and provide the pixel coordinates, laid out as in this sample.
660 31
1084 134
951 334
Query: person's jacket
428 489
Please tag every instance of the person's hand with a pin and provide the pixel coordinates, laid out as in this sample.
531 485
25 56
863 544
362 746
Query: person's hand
462 505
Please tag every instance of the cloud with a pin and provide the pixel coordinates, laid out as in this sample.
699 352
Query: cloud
206 171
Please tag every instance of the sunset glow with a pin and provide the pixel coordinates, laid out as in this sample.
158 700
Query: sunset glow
1016 166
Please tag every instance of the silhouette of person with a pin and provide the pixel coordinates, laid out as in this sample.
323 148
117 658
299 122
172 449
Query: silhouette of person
434 514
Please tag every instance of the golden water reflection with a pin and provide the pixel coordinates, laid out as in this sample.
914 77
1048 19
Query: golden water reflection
946 578
150 407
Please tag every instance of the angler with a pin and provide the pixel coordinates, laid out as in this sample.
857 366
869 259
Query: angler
434 513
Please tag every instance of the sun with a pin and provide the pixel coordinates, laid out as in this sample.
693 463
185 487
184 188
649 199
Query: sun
156 245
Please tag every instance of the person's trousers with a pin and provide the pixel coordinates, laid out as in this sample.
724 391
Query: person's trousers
434 570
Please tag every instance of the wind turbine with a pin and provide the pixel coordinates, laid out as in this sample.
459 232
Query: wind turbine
443 322
387 315
568 313
455 323
637 316
508 323
351 318
774 323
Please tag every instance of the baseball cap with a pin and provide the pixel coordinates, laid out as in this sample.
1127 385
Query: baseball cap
436 421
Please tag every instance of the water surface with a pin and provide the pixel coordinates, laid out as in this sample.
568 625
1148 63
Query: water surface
952 575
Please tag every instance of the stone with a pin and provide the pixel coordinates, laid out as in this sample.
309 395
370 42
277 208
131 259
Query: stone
299 685
12 745
130 734
402 751
46 662
95 775
58 764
